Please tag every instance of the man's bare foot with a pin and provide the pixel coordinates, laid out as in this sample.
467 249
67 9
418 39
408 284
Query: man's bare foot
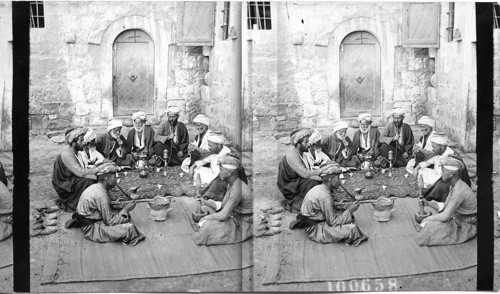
195 227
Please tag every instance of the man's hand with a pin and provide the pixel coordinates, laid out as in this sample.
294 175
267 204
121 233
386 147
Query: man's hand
180 154
396 137
353 206
191 147
209 203
346 144
129 206
405 155
416 148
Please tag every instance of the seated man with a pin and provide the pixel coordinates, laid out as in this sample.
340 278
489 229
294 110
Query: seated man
208 174
95 217
366 139
173 136
339 147
70 178
295 176
315 156
89 156
5 212
232 223
397 136
422 151
323 222
199 148
141 137
434 186
112 145
456 221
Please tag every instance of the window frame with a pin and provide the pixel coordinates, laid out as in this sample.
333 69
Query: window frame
226 11
451 21
257 19
37 19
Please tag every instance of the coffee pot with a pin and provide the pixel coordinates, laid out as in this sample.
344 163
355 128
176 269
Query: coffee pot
142 163
367 164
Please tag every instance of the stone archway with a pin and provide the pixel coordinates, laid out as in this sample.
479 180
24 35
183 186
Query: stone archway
387 39
104 38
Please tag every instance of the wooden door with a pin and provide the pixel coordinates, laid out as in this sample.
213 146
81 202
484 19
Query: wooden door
359 75
133 73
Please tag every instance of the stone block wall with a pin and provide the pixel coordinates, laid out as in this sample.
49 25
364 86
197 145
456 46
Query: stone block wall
71 62
454 102
5 76
300 64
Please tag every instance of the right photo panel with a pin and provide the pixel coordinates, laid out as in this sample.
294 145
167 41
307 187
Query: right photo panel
364 145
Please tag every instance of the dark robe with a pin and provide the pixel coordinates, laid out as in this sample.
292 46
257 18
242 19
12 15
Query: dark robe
386 143
3 177
293 187
68 186
107 146
440 190
333 147
374 142
182 134
149 135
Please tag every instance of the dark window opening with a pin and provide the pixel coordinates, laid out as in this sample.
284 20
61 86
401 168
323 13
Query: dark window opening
451 21
37 19
225 21
259 15
496 15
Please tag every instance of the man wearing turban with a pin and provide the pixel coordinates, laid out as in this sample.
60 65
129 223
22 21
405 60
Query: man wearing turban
198 149
429 171
141 136
366 138
96 219
208 174
423 149
5 212
456 220
113 146
397 136
323 221
70 177
315 156
233 218
295 176
173 136
340 148
89 156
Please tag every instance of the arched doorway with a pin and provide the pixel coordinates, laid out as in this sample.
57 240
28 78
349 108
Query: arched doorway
359 75
133 73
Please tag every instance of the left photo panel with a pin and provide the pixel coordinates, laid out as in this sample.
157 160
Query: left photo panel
6 162
139 170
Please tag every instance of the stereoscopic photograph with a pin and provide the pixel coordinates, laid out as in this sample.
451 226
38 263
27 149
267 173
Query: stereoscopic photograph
248 146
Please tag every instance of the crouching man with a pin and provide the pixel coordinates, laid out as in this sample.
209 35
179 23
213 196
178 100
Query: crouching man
95 217
232 223
323 222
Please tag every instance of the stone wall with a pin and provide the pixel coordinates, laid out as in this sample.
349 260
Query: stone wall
5 76
304 56
71 62
454 102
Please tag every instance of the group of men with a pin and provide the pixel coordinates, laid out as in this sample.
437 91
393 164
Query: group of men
309 174
85 172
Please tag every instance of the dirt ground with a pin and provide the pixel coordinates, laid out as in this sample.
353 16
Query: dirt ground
266 155
43 153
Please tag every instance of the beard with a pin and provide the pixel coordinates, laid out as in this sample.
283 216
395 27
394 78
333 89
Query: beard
364 130
340 137
114 136
139 129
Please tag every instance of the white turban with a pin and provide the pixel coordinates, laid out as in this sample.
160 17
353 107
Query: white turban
440 140
229 162
75 133
89 136
140 115
202 119
114 123
216 138
365 116
295 137
398 111
425 120
451 163
315 137
339 125
172 110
